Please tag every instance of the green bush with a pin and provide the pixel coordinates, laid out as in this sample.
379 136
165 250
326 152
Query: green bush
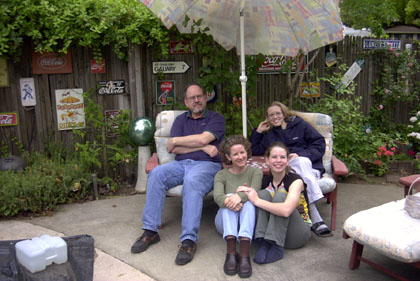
354 141
43 185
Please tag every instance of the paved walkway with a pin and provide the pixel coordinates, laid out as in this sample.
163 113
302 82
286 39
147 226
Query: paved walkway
115 223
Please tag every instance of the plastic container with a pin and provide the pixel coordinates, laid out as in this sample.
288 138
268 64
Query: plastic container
36 253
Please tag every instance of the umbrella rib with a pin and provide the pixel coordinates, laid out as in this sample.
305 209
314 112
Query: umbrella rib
291 26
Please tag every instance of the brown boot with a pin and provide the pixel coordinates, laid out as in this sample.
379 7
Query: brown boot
244 267
231 262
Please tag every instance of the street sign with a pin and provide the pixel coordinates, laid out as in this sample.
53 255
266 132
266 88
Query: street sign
170 67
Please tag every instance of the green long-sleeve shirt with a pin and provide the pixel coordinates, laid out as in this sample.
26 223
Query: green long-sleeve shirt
225 182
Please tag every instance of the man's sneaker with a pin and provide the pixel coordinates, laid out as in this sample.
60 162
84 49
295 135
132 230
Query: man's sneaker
143 242
185 254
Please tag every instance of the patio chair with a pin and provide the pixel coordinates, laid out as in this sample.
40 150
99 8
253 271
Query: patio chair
389 230
322 122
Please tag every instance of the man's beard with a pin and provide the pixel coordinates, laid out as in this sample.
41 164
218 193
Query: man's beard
198 110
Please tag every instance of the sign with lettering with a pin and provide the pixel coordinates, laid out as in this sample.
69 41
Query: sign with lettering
8 119
372 44
170 67
180 47
165 92
97 66
50 63
276 64
70 109
115 87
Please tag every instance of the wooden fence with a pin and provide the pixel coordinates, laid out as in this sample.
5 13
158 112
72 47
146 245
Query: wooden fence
38 124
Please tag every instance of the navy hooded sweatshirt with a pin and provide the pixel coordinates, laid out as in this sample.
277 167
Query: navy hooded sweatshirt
299 136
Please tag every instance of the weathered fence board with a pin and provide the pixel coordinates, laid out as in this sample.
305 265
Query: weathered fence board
39 124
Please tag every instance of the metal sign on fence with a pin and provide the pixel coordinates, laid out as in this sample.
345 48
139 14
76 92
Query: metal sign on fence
114 87
373 44
170 67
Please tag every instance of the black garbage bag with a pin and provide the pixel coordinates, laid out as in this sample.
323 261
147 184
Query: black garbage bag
79 265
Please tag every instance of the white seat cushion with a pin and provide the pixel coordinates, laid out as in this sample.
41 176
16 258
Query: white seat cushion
388 229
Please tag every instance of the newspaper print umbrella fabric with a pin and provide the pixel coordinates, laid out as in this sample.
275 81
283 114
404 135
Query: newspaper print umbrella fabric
277 27
281 27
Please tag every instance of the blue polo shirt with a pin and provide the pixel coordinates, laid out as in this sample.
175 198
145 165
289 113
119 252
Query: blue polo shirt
211 122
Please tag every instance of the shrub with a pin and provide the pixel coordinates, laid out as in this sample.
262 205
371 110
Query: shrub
43 185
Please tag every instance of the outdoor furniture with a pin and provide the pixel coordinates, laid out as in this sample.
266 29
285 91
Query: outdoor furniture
322 122
389 230
407 181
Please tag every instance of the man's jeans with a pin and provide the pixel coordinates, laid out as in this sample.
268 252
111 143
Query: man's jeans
197 178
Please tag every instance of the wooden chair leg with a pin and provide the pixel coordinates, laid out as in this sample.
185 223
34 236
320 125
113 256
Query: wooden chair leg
356 253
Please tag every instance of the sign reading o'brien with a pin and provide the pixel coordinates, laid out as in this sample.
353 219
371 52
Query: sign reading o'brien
170 67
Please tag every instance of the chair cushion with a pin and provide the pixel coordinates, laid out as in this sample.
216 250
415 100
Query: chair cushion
164 121
324 125
163 155
388 229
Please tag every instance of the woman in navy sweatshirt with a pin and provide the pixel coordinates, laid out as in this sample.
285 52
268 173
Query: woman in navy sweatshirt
306 146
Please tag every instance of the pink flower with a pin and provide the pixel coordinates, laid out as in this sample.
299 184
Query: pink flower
386 91
411 153
380 107
378 163
397 54
410 64
399 97
389 153
393 148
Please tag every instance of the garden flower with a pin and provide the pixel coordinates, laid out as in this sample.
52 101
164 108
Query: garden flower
386 91
368 130
397 54
418 113
380 107
378 163
410 64
413 119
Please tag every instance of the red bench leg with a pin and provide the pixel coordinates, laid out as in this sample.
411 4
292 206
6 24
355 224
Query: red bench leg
356 253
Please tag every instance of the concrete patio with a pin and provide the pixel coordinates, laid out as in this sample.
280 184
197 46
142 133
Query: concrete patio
115 223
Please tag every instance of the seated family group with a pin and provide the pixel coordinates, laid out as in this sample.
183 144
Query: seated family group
276 211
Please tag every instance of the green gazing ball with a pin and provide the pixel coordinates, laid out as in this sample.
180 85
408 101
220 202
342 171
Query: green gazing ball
142 131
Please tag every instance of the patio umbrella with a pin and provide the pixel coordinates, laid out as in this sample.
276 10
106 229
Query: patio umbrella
277 27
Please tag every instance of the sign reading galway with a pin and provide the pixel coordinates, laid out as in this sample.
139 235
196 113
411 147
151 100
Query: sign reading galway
115 87
170 67
8 119
50 63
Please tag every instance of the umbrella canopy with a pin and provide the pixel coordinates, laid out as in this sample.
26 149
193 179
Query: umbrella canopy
277 27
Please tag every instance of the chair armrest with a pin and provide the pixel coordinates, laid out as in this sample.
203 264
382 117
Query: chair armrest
339 168
151 163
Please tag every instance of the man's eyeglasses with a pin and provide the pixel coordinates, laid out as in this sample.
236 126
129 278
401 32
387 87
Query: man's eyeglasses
198 97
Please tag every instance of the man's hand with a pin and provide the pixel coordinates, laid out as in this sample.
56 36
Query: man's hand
263 126
211 150
170 145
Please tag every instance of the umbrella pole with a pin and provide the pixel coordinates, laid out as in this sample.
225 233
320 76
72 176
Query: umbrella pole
243 78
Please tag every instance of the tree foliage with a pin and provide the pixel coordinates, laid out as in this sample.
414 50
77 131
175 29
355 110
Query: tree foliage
373 14
55 25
